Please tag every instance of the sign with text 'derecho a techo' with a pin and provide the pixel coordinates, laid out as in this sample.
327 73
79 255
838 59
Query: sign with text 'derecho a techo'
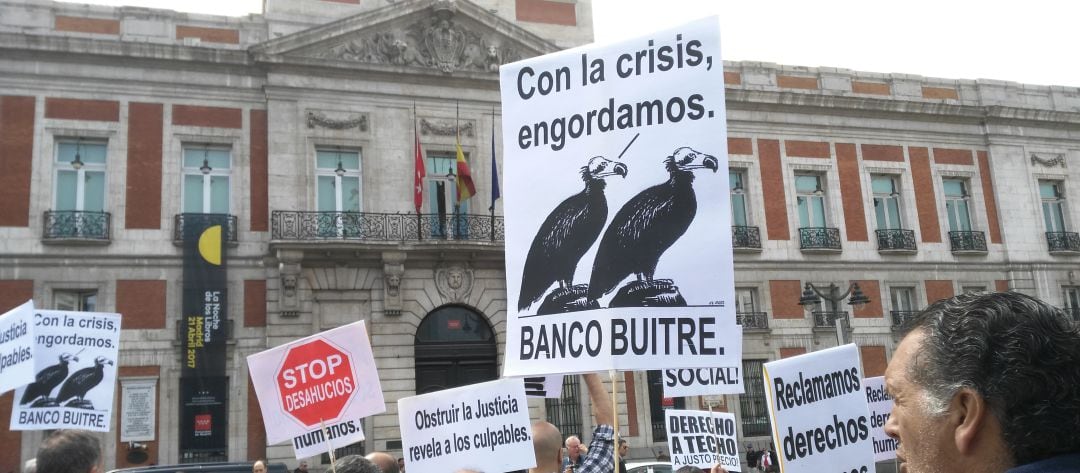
317 389
820 419
618 222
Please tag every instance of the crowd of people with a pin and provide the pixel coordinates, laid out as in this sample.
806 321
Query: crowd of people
980 382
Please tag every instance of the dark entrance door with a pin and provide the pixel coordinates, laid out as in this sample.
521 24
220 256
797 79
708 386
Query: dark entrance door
455 346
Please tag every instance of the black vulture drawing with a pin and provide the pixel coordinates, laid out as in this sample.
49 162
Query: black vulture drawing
81 383
566 234
643 229
45 381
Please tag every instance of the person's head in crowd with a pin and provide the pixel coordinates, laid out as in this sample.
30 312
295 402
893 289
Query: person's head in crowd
624 448
547 446
689 469
30 466
573 446
384 461
401 463
303 466
985 382
258 467
70 451
355 464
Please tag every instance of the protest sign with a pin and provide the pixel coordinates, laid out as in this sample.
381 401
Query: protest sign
17 347
75 357
544 386
820 420
318 388
881 404
702 439
482 427
618 234
703 381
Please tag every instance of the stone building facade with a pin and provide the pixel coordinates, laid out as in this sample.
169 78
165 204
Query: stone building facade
305 116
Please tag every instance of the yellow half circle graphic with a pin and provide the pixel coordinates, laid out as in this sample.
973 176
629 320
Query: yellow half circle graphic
210 245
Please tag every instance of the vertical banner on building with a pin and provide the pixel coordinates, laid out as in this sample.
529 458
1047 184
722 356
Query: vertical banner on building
204 409
618 222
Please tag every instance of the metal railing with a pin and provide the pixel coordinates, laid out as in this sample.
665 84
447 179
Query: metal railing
745 237
77 225
201 220
819 238
1063 242
974 241
753 320
900 317
367 226
825 319
896 240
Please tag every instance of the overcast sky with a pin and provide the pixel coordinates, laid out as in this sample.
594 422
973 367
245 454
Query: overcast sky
1033 41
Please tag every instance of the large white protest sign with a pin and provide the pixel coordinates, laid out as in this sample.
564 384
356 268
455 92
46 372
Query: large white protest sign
618 234
881 404
316 388
17 347
702 439
482 427
817 407
703 381
75 360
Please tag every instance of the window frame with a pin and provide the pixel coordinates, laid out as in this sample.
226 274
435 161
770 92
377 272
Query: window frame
894 197
738 194
80 295
357 174
1058 202
207 185
820 195
951 201
63 165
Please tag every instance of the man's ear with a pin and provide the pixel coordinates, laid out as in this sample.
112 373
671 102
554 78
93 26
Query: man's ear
969 416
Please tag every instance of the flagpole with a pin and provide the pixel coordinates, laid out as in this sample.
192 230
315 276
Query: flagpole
494 177
457 185
416 151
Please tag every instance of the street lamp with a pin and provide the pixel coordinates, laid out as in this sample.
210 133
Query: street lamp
811 296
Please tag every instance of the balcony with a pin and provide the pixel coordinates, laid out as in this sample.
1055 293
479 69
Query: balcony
896 241
77 227
823 320
819 239
900 317
1063 243
753 320
384 227
970 242
203 220
745 238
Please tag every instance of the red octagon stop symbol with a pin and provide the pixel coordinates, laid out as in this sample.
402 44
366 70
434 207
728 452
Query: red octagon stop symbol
316 382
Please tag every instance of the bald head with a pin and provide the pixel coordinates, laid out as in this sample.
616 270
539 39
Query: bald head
547 443
384 461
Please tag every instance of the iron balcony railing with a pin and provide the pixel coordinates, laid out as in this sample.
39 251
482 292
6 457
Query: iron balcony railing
896 239
967 241
1063 242
753 320
825 319
745 237
900 317
819 238
79 225
367 226
202 220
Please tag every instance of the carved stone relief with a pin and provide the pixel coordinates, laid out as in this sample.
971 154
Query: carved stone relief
393 269
1048 160
454 281
446 128
316 119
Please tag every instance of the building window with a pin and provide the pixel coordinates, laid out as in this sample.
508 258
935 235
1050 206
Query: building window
737 183
972 289
442 200
886 202
565 411
337 172
746 300
81 300
658 404
80 176
1072 301
1053 205
810 196
206 179
902 299
752 403
957 202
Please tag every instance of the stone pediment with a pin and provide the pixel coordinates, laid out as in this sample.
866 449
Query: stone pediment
423 36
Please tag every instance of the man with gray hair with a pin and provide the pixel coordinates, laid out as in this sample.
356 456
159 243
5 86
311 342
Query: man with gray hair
384 461
355 464
987 382
70 451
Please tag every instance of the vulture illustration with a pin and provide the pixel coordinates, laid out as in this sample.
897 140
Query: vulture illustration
82 382
567 233
648 224
47 380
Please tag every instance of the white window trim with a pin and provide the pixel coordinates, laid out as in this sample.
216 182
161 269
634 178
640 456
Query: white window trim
80 179
193 171
357 173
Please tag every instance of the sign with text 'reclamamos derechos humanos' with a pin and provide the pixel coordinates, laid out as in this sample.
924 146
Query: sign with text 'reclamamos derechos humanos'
75 361
618 234
820 420
702 439
17 347
880 404
318 388
481 427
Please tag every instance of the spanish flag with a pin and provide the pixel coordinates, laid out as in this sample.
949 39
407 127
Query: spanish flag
465 187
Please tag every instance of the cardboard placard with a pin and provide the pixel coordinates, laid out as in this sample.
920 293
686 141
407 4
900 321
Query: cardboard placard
880 404
702 439
17 347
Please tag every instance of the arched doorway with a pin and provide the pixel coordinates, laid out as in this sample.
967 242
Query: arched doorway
455 346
